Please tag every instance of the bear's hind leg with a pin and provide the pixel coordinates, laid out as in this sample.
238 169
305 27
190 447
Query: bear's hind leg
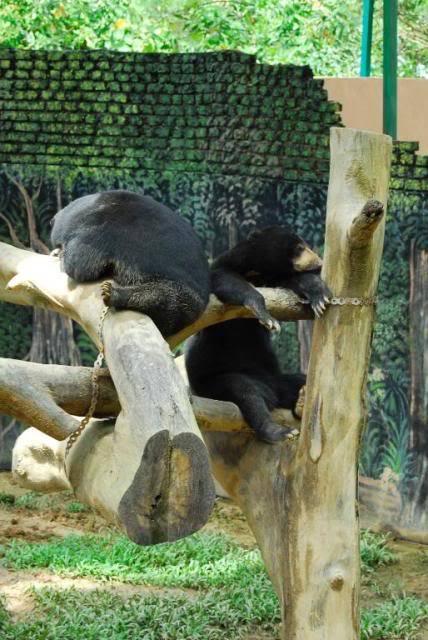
254 400
290 392
170 305
231 288
83 266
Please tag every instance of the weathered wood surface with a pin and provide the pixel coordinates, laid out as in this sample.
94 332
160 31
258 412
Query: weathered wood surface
36 393
300 499
154 480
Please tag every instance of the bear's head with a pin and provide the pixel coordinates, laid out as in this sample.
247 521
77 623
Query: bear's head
279 247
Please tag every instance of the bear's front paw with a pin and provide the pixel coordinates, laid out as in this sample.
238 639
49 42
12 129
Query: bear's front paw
270 323
264 318
106 290
320 301
271 432
299 406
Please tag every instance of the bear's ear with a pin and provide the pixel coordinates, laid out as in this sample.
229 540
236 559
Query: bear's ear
267 231
254 234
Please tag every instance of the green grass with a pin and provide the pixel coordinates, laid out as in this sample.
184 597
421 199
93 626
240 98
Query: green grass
398 619
34 501
233 595
6 499
99 615
220 614
374 551
199 561
78 507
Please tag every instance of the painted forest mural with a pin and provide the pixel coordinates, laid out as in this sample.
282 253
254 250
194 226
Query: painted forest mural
223 210
233 145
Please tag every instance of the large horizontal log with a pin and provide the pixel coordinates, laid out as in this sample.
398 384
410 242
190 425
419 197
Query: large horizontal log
38 458
29 278
157 452
46 396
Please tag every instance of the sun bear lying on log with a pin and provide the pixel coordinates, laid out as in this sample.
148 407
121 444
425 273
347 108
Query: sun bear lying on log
151 253
234 360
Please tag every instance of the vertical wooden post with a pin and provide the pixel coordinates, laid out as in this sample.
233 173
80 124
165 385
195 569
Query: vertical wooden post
322 591
301 499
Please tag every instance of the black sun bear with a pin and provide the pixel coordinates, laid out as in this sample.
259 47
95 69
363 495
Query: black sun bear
235 360
153 256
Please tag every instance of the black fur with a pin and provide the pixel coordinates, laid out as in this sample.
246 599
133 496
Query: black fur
151 253
267 258
235 360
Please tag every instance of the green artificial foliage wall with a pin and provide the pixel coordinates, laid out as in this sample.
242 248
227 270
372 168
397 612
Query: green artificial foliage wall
201 113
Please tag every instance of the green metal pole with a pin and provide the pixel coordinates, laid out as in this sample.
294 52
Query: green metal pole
390 67
366 42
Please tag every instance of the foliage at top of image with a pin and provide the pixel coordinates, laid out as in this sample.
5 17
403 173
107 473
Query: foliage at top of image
322 33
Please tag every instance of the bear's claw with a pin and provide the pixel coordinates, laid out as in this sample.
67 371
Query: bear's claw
106 289
270 323
320 305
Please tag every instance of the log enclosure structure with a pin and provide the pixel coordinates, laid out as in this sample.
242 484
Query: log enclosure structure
142 461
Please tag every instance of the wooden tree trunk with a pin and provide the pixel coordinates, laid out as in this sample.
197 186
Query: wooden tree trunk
419 383
301 500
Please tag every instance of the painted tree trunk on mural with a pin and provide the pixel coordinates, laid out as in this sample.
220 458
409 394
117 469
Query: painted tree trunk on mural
419 382
304 334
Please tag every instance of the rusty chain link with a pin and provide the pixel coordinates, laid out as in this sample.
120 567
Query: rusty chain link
358 302
95 387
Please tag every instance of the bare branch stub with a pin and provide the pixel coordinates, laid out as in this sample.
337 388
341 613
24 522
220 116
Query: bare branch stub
365 224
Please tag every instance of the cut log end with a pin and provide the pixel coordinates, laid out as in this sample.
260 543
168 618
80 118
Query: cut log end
173 489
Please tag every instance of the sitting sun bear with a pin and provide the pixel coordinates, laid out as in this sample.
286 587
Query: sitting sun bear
152 255
234 360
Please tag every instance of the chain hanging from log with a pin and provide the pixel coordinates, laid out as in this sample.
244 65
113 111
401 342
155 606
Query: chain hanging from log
95 388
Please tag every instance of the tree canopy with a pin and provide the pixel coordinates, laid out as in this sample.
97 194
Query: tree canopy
325 34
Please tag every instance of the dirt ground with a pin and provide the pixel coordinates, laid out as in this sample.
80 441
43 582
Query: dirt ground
52 518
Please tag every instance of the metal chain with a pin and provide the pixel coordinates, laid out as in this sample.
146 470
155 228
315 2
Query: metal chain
95 386
358 302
